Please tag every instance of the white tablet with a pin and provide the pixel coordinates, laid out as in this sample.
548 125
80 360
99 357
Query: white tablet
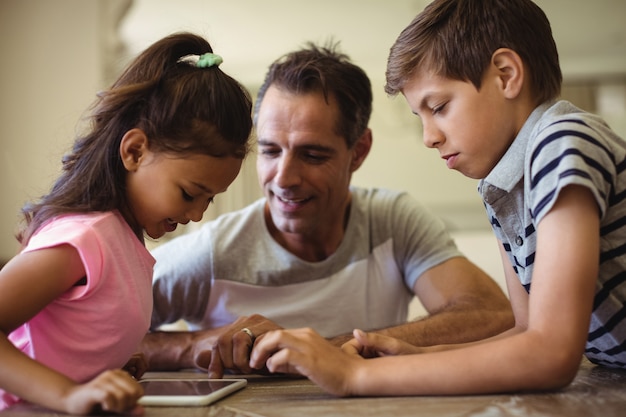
187 392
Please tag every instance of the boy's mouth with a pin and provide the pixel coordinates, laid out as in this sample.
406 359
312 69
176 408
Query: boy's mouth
450 159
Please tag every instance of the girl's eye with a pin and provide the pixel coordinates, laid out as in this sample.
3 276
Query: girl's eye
186 196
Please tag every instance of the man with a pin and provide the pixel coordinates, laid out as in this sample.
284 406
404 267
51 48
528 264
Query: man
315 251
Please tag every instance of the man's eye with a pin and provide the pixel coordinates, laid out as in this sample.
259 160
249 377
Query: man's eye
315 157
269 152
186 196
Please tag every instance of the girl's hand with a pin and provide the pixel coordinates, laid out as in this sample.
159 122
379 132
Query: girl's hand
304 352
137 365
112 391
371 345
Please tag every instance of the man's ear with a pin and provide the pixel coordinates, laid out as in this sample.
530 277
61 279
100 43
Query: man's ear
361 149
133 148
510 71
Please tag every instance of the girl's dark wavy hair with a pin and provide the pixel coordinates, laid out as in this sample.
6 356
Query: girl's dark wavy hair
181 108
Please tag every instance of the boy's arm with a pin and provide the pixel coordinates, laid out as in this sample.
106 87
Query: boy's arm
545 356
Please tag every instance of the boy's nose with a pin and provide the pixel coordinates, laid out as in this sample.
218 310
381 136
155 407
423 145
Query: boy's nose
432 136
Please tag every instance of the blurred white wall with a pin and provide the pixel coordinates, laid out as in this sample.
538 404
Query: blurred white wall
250 34
50 71
57 54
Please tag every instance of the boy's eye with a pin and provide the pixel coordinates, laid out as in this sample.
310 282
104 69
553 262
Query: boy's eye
439 108
186 196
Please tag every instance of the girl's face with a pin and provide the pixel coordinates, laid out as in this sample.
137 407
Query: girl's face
470 128
164 190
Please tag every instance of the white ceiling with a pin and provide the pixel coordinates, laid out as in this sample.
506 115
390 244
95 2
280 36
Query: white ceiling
249 34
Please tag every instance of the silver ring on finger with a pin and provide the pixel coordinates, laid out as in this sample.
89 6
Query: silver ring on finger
249 333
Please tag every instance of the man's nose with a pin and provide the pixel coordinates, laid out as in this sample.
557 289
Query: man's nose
288 172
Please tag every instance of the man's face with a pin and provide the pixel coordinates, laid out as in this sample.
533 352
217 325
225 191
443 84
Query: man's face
304 165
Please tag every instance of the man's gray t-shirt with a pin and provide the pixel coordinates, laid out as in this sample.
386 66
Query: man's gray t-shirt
232 267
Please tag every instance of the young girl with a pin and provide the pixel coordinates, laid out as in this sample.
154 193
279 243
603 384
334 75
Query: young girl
484 77
169 135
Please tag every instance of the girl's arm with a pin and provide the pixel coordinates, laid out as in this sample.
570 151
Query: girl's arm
28 283
546 355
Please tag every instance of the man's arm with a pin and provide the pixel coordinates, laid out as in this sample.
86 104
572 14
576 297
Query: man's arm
464 305
174 350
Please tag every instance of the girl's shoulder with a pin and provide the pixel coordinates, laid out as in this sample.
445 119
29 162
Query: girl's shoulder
77 227
96 219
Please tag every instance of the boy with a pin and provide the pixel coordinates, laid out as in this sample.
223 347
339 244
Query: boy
483 76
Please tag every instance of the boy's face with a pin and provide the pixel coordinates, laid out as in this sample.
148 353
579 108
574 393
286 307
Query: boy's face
470 128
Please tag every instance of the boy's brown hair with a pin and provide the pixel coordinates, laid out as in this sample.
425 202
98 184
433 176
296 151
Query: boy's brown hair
456 39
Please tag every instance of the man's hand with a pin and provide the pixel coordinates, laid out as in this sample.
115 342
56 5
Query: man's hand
231 350
136 365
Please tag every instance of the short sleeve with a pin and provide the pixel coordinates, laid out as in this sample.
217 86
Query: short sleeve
569 152
79 235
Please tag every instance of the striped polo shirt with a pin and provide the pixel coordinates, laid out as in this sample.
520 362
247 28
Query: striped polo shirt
560 145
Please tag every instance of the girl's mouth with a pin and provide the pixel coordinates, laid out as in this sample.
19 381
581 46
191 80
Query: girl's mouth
170 225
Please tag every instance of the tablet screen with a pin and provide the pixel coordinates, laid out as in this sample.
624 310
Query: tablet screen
172 392
183 387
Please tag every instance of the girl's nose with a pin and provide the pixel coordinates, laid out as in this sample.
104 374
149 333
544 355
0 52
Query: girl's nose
196 212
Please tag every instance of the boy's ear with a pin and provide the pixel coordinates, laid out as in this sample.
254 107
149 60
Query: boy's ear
361 149
133 148
510 69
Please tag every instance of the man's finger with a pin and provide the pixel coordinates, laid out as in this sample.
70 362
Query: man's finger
216 367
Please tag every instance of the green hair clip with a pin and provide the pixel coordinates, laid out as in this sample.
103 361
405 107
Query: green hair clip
202 61
209 60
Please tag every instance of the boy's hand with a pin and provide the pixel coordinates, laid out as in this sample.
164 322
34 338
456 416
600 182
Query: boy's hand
371 345
305 352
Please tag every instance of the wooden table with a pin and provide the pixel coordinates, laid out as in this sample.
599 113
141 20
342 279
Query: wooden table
595 392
